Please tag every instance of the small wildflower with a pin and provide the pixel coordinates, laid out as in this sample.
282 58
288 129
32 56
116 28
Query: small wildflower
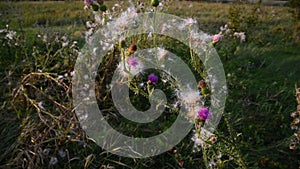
203 114
152 78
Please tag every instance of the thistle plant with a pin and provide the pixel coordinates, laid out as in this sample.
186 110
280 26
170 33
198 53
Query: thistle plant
142 83
45 89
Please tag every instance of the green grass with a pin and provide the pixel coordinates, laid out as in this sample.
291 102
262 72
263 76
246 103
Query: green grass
262 74
35 14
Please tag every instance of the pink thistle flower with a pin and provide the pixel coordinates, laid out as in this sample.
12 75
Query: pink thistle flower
133 62
216 38
88 2
203 114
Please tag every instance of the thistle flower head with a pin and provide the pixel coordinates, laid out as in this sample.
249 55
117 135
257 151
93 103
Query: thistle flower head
203 114
88 2
152 78
133 61
216 38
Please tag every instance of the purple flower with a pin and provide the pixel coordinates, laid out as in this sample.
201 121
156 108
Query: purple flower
133 62
152 78
203 114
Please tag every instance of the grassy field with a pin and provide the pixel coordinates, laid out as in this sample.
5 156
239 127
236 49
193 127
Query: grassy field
261 77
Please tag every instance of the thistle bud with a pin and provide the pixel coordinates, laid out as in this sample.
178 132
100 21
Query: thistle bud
216 39
88 2
213 139
95 7
154 3
122 43
201 84
205 91
132 48
103 8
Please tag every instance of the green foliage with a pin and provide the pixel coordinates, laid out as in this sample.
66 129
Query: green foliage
296 5
243 17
